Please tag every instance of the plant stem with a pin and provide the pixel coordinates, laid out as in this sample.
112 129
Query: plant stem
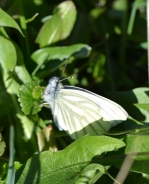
132 18
148 35
11 171
24 27
124 36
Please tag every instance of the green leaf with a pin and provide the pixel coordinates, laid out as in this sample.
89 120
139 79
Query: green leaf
65 166
8 57
26 97
37 91
59 53
3 171
143 106
28 126
17 165
25 136
7 21
59 26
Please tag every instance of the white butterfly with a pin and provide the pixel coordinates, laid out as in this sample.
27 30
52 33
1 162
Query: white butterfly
79 111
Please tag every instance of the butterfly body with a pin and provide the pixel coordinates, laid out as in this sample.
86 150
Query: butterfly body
79 111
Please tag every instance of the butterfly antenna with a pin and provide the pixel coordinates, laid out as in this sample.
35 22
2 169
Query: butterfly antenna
66 78
64 70
64 67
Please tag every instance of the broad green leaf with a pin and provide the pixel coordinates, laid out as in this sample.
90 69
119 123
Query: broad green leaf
59 26
65 166
8 57
7 21
28 98
61 53
53 54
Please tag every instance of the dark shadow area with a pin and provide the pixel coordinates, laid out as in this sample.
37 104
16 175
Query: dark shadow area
99 127
32 171
128 99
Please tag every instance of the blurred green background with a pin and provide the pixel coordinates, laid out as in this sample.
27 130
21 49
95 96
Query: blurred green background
116 31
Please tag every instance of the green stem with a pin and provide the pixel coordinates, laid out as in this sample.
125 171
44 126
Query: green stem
24 27
132 18
124 36
32 18
11 171
109 62
108 54
147 9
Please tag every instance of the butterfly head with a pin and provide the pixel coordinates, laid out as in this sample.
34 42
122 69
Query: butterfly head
52 89
53 81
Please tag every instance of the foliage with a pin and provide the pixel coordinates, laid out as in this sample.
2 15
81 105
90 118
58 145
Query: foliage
104 45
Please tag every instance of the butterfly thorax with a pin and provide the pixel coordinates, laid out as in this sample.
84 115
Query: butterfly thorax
52 89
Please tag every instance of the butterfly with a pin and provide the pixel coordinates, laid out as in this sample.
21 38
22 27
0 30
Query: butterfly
80 112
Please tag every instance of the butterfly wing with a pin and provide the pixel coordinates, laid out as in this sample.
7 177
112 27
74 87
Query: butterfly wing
79 112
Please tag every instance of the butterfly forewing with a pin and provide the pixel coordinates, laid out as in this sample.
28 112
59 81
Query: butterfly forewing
77 113
111 110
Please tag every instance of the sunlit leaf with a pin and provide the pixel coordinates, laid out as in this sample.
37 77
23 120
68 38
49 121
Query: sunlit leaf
72 160
7 21
59 26
8 57
55 56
